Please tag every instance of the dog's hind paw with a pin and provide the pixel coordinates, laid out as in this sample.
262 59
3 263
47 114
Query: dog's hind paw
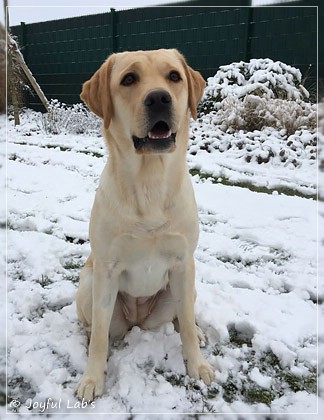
201 336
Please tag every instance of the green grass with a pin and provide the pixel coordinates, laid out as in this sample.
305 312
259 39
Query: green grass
257 395
277 258
296 384
282 380
45 281
2 389
2 398
74 266
14 156
281 190
241 387
19 389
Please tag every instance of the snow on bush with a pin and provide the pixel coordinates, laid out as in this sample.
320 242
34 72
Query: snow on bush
321 152
261 77
257 94
254 113
74 119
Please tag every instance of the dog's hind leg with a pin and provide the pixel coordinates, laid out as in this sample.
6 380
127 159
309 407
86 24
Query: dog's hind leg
200 334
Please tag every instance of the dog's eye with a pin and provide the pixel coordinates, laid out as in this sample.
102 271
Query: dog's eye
174 76
128 80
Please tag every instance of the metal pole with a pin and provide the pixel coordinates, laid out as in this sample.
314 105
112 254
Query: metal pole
113 30
5 6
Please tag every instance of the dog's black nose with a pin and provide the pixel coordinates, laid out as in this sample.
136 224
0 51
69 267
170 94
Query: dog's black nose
158 101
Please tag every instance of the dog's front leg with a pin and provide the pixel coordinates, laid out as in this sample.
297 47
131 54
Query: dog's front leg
104 293
182 284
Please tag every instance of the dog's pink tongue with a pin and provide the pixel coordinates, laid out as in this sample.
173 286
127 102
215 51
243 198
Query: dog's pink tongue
159 134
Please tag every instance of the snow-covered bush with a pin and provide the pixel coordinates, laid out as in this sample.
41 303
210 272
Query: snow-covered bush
321 150
321 116
255 112
257 94
74 119
259 77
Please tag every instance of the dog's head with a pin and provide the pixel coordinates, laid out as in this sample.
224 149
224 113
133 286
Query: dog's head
145 96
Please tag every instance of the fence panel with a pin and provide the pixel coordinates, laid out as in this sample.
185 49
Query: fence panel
285 34
64 53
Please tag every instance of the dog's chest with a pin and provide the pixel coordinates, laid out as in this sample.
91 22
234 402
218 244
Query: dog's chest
144 263
145 277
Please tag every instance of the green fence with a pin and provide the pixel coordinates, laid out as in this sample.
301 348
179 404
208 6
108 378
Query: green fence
62 54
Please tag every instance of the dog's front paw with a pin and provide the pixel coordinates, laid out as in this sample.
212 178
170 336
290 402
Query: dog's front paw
90 387
201 369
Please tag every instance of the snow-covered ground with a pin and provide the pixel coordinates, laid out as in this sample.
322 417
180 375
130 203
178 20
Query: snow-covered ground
256 284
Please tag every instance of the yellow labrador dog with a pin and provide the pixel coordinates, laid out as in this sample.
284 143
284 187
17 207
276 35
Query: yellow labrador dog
144 222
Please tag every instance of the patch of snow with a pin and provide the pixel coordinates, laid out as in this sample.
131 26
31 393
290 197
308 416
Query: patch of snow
261 380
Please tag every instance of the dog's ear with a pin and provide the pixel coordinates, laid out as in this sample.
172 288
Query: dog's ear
96 92
196 86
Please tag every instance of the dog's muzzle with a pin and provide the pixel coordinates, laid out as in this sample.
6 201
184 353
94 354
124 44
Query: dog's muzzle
159 139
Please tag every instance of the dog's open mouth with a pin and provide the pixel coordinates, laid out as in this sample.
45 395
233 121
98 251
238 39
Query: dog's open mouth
159 139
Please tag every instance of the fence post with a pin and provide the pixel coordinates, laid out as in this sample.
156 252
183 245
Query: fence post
113 30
